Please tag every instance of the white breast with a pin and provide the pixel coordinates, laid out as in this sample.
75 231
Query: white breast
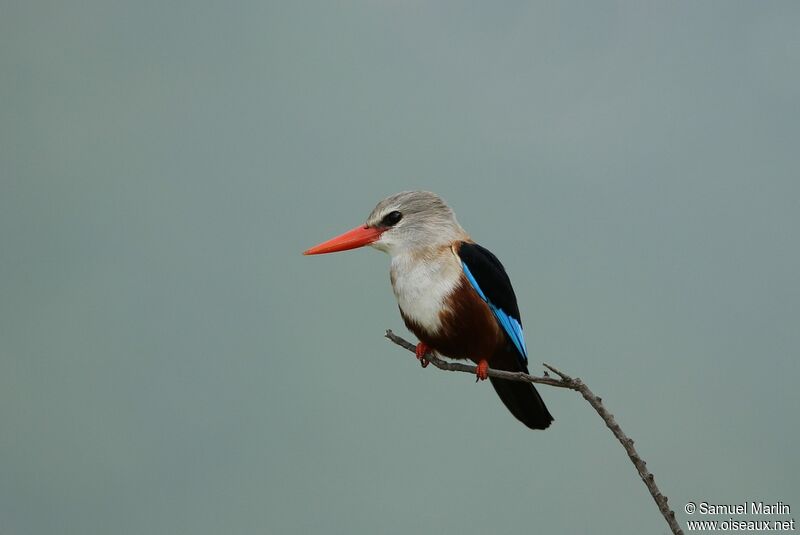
421 287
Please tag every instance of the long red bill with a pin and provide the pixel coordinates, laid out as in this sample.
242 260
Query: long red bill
352 239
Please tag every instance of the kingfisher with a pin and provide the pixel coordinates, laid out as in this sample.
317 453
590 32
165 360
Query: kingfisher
453 294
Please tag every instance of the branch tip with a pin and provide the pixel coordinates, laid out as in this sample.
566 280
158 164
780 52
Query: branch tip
564 381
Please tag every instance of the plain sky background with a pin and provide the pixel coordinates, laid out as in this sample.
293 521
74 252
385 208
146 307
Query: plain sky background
171 364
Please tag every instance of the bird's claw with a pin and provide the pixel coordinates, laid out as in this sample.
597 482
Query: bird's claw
482 373
420 351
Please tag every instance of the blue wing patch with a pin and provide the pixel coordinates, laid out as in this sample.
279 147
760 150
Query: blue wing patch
510 325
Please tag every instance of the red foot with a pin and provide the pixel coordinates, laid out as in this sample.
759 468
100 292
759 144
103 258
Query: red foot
420 352
483 371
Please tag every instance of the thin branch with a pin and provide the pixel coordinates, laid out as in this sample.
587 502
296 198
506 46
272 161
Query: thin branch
458 367
565 381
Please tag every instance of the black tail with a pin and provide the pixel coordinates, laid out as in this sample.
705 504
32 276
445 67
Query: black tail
524 402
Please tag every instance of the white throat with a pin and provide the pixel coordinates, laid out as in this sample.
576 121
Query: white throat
421 285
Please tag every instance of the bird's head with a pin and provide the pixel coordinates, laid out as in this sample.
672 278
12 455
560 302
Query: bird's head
404 222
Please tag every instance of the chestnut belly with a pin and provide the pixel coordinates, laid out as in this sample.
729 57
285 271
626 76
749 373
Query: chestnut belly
468 329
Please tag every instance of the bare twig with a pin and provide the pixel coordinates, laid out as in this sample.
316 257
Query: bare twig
565 381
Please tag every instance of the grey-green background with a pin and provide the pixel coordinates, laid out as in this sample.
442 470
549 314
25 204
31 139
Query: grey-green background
170 363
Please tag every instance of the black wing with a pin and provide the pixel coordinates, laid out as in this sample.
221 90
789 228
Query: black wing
487 275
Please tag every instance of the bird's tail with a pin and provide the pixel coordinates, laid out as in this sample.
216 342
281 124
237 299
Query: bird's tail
524 402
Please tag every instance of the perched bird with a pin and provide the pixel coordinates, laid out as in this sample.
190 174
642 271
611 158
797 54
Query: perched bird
454 295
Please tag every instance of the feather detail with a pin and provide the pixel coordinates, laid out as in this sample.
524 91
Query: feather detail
495 289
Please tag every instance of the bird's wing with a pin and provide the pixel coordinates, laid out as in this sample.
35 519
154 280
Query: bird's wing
489 279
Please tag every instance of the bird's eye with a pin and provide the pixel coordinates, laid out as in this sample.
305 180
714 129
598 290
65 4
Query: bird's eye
391 219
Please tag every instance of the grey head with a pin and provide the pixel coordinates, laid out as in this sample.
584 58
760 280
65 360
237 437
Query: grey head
415 221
